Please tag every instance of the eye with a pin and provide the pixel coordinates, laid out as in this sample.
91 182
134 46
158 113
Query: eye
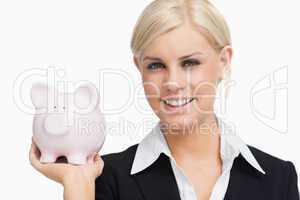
55 107
64 107
190 62
154 66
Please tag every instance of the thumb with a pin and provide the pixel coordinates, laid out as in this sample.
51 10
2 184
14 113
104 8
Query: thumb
98 165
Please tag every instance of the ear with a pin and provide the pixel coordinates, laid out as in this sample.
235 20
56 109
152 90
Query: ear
86 96
39 95
225 60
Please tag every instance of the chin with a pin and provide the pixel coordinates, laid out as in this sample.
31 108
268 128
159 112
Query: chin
178 122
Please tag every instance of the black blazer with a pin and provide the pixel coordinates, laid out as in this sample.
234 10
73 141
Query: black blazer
157 182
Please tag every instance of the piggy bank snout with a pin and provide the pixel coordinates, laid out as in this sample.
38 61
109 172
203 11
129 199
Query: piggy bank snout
56 124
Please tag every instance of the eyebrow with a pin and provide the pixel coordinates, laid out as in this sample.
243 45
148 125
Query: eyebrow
181 58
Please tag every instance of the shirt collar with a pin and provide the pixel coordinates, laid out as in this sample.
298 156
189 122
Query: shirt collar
154 144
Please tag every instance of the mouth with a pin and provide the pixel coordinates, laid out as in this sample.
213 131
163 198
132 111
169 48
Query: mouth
175 103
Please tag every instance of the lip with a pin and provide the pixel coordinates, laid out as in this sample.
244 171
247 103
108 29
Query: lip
177 97
177 109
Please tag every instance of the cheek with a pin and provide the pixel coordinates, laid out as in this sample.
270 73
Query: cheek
203 79
203 87
206 72
152 91
152 94
152 84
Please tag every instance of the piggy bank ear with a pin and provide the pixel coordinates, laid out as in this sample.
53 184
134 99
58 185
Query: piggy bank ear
39 95
86 97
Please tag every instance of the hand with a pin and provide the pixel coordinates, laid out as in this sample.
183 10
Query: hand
65 173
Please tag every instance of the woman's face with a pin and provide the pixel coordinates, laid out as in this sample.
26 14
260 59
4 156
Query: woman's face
180 70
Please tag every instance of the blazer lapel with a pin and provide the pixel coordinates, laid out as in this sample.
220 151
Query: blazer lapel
244 182
158 180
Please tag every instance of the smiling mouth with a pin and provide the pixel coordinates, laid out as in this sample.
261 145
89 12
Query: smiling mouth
179 102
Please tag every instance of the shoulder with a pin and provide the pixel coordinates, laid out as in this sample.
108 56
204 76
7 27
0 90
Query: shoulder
270 163
279 180
118 163
279 172
120 159
115 172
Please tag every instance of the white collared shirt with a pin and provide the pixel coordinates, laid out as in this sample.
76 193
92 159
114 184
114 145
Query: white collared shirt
231 145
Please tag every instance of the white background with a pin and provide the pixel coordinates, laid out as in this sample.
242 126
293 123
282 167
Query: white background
83 37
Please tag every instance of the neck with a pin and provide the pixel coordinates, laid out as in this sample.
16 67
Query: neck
201 142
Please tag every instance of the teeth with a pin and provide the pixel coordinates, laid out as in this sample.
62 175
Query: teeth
178 102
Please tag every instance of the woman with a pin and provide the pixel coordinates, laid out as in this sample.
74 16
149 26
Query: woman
182 49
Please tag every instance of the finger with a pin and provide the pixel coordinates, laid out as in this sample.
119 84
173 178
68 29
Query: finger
33 158
98 160
90 159
36 150
97 157
99 165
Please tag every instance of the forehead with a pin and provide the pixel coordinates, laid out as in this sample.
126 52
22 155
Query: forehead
180 41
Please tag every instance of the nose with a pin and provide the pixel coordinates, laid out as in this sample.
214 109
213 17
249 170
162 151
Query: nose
175 79
56 124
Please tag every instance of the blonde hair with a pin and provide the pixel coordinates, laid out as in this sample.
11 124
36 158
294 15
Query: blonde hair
162 16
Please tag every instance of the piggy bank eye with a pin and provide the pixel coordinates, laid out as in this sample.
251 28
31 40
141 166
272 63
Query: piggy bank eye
64 107
55 107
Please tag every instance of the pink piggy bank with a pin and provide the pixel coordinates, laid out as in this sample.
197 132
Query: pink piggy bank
67 124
